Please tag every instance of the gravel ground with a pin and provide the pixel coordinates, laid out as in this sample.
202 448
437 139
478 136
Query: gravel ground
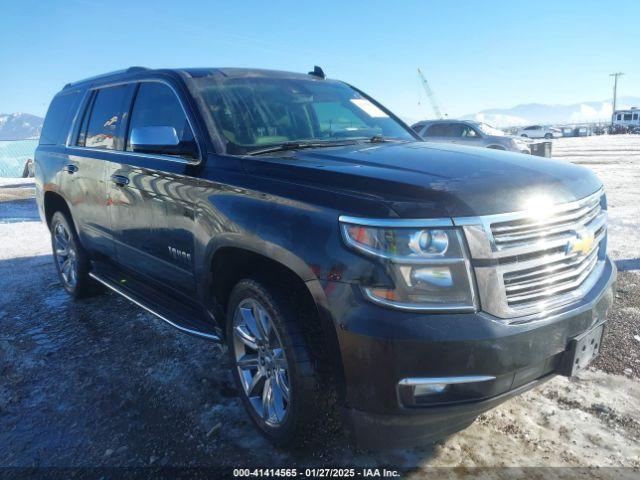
101 383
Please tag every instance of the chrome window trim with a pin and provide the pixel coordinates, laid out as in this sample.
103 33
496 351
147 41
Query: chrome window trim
167 158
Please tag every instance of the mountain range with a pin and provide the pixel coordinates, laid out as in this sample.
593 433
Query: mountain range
552 114
19 126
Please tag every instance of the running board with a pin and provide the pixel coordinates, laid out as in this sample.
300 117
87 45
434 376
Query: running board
133 298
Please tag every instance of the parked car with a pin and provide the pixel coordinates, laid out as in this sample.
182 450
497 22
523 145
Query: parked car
466 132
538 131
347 265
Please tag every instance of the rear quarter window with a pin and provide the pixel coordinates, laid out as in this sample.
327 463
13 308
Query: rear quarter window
57 121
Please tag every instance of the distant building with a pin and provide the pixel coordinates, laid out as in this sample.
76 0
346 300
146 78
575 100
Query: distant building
627 117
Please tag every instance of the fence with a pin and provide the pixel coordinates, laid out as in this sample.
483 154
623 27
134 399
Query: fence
14 155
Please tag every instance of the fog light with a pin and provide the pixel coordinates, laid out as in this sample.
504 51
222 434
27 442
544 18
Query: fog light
425 391
428 389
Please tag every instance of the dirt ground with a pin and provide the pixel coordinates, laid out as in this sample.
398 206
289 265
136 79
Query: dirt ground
101 383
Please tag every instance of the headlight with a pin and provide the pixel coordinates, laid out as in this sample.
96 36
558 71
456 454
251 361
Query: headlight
429 266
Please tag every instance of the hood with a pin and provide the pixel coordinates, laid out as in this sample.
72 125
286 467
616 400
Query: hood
421 179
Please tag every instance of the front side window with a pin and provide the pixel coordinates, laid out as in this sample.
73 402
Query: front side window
252 112
157 105
468 132
102 126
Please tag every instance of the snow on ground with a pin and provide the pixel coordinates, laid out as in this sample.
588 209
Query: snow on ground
99 382
616 160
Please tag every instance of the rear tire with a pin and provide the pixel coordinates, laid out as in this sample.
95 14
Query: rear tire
71 260
268 353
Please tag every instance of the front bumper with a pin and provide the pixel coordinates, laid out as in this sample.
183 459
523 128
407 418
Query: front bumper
380 347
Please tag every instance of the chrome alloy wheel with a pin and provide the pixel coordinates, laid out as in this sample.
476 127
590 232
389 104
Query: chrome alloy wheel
261 362
66 256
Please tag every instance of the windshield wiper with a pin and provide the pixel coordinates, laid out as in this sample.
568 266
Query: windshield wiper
379 138
281 147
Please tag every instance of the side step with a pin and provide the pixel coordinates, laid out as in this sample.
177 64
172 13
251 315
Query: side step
183 324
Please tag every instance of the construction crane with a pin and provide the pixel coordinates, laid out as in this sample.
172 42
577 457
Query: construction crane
430 95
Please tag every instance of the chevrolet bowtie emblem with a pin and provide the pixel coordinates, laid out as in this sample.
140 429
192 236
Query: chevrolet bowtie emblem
582 244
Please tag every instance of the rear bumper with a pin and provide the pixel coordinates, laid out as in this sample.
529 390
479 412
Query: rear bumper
380 347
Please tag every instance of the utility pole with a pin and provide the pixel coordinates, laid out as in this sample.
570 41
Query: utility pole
615 92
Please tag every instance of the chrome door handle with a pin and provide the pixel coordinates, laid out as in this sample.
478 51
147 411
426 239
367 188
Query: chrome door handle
71 168
120 180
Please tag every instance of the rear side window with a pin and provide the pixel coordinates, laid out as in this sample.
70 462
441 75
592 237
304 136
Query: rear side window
56 122
438 130
157 105
101 125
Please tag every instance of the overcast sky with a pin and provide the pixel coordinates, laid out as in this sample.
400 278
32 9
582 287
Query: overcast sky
475 54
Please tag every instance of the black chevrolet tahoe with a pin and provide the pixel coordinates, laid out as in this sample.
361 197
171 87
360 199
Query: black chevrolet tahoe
347 265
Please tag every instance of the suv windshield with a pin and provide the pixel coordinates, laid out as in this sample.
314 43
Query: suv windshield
257 112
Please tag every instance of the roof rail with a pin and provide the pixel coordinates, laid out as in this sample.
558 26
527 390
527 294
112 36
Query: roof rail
103 75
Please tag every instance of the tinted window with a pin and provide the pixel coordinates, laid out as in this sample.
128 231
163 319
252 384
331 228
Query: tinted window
627 116
56 122
334 116
157 105
619 116
635 116
438 130
252 112
103 125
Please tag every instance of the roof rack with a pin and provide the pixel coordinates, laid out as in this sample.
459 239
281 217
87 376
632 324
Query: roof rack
103 75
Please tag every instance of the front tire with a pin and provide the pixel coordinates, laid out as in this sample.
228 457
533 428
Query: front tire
71 261
271 363
548 136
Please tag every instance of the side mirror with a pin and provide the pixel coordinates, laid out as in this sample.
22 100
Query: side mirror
161 140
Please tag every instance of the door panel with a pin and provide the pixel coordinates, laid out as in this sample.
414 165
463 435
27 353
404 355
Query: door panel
87 195
153 219
96 140
151 211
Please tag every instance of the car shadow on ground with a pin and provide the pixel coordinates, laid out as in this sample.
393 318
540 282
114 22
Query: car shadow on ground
100 382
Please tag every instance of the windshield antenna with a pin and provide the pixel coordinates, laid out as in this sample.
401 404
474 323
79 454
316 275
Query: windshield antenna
317 72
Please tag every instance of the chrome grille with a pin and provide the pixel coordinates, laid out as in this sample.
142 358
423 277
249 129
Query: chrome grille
540 283
525 231
537 262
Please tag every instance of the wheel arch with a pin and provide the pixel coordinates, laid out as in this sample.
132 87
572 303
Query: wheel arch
230 262
54 202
